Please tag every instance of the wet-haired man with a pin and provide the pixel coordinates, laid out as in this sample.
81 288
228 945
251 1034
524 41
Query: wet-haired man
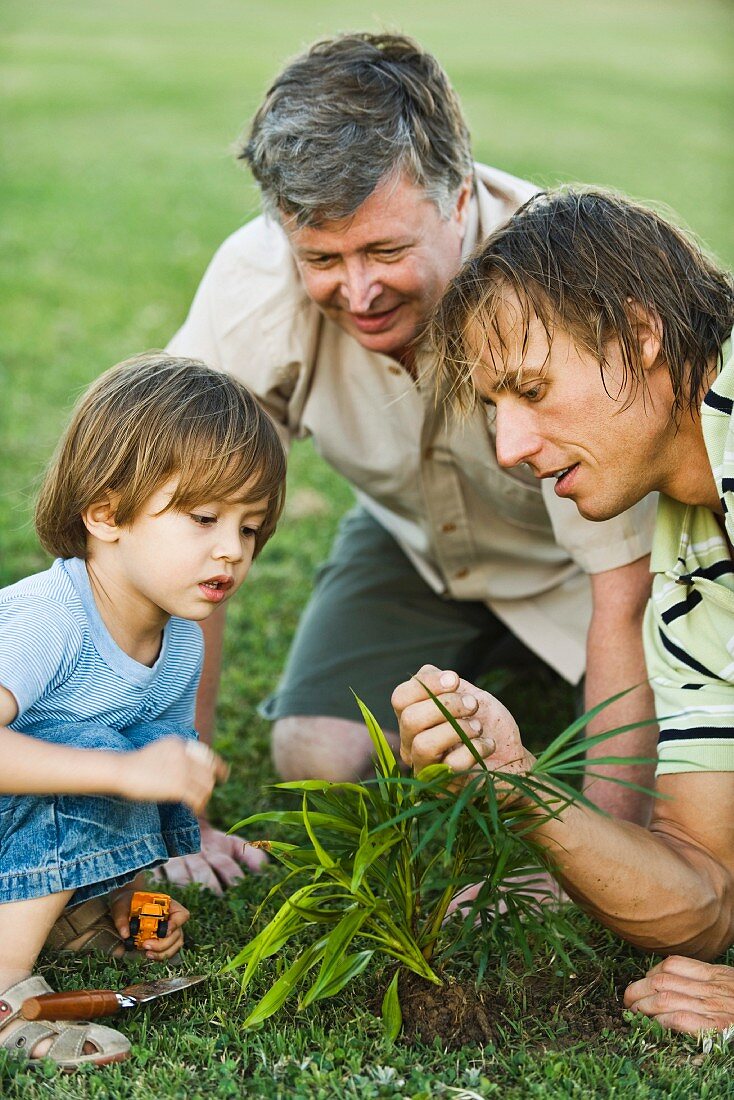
599 336
363 159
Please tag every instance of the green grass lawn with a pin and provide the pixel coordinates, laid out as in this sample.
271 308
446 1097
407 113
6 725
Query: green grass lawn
117 185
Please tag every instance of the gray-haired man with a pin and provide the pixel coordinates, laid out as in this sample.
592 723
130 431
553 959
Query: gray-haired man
372 201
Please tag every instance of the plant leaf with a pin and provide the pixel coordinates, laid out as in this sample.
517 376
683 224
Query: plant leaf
392 1015
369 850
347 968
337 942
279 992
385 756
324 858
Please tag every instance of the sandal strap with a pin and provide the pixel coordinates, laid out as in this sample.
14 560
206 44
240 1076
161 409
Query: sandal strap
11 1001
23 1039
69 1042
92 917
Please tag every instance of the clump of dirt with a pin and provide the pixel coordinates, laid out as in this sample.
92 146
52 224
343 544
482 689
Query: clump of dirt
456 1012
550 1010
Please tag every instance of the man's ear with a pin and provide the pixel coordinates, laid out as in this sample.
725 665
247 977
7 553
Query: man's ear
648 329
461 208
99 518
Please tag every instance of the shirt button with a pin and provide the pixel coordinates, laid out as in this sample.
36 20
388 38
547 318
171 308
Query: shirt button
395 370
460 574
447 528
428 453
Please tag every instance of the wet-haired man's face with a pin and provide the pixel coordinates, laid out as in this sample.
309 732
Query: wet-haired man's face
379 273
605 445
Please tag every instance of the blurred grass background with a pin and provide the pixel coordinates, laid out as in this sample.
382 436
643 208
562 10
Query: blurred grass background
117 184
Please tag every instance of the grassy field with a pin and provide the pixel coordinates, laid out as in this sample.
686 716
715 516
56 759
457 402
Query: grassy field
116 187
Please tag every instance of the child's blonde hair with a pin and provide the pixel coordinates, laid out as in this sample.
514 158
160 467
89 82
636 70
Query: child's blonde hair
146 421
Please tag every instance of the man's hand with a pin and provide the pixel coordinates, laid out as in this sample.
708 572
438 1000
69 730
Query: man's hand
685 995
541 886
217 866
427 738
171 770
156 950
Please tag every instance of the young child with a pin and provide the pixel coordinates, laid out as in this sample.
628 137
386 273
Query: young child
166 485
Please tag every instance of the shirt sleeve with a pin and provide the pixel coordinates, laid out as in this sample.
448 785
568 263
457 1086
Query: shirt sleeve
251 318
40 643
607 544
694 706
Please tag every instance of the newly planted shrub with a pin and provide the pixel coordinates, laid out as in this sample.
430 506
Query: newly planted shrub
374 866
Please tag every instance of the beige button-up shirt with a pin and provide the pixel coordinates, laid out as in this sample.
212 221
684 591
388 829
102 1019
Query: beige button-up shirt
471 529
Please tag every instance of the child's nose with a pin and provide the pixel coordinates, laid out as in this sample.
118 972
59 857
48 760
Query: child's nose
229 545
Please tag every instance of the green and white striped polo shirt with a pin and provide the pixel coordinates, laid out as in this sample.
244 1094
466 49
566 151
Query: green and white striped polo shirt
689 625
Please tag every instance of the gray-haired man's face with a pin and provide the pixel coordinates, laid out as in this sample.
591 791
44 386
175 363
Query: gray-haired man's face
379 273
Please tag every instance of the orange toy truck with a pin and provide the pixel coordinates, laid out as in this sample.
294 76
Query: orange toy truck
149 915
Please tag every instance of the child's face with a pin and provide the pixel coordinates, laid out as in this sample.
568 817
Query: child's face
187 563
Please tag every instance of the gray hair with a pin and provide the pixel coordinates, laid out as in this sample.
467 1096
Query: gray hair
352 111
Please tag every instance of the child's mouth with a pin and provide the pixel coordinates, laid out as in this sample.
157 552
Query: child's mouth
216 588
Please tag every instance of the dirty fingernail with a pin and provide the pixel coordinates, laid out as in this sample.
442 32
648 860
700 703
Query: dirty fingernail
476 725
469 702
448 679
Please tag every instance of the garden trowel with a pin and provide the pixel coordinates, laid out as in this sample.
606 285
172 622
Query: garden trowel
87 1004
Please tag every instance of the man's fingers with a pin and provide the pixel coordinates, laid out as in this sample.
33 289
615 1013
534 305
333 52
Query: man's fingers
254 859
687 1023
442 743
229 853
184 869
680 1013
228 870
691 968
412 691
425 718
461 760
662 984
176 871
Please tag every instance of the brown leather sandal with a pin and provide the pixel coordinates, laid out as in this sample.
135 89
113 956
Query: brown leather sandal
86 930
68 1040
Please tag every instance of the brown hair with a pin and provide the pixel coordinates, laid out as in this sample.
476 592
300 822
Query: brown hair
352 111
579 258
145 421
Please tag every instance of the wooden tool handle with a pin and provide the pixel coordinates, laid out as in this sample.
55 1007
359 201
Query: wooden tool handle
81 1004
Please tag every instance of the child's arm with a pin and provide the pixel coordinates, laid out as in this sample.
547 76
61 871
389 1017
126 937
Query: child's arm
169 770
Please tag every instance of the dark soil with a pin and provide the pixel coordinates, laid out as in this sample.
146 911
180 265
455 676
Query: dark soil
550 1011
456 1013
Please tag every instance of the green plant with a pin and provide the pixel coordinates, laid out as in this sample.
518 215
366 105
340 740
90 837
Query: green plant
378 863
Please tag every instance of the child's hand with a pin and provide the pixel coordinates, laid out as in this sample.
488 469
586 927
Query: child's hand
172 770
155 949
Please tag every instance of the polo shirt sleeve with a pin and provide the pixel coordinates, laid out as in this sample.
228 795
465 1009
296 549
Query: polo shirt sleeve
40 644
251 318
694 705
608 544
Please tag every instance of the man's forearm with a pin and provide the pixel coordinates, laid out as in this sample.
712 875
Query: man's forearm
654 887
615 662
206 698
611 669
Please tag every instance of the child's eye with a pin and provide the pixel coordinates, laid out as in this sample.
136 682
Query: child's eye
203 521
249 532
